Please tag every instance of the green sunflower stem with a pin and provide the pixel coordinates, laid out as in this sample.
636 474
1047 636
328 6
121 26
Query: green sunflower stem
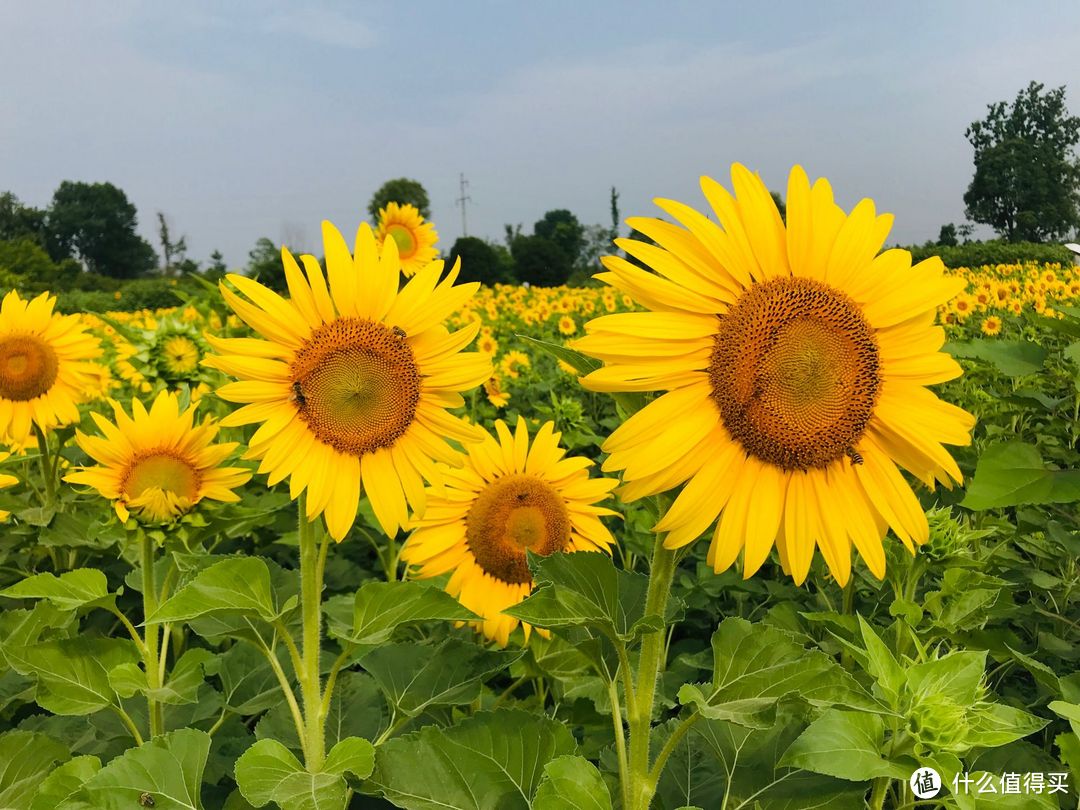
48 469
155 710
312 562
653 646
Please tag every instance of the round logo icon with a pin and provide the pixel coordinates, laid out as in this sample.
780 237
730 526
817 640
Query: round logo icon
925 783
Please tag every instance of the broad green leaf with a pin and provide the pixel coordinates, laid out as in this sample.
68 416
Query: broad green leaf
581 363
491 759
415 677
382 607
26 758
882 664
1014 473
239 585
72 589
65 781
73 674
846 745
21 628
1069 753
756 665
571 783
967 599
585 588
1067 711
169 768
248 683
269 772
955 677
1013 358
1043 675
994 724
181 687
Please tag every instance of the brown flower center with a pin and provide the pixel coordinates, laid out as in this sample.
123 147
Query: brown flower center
794 371
28 367
515 514
356 384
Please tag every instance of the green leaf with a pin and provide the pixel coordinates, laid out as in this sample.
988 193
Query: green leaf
248 683
183 684
756 665
63 782
72 589
571 783
492 759
882 664
1069 753
585 588
26 758
73 674
381 608
21 628
1067 711
955 677
415 677
169 768
995 724
1012 474
239 585
269 772
1013 358
846 745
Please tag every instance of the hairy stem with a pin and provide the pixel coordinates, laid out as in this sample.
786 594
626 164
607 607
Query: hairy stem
312 561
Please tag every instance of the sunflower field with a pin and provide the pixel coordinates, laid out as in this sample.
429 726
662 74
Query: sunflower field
769 517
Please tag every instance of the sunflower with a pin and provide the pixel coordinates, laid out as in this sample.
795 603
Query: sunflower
495 395
44 368
991 326
567 326
415 238
352 382
508 499
179 357
157 464
794 359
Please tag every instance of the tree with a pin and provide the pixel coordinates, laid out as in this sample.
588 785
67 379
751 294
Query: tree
778 201
96 223
1027 181
615 223
173 254
947 236
564 229
540 261
264 264
18 221
402 191
479 262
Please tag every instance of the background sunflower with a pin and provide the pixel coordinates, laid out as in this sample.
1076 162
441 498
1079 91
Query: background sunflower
415 238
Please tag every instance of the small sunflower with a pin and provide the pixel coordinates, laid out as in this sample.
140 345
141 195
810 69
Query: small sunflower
794 358
567 326
495 395
991 326
44 366
179 357
157 464
414 237
508 499
352 382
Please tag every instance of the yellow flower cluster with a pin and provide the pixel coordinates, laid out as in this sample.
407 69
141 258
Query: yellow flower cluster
997 293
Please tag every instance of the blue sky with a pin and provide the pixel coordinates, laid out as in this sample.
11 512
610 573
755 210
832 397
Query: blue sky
245 119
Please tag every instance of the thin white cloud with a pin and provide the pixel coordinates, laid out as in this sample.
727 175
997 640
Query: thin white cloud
322 25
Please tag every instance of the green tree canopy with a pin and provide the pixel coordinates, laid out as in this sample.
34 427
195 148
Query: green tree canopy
95 222
1027 181
18 221
540 261
402 191
479 262
564 229
264 265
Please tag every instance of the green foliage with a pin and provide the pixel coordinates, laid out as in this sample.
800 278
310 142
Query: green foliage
562 228
479 262
96 223
402 191
268 772
18 221
540 261
993 252
1027 180
265 266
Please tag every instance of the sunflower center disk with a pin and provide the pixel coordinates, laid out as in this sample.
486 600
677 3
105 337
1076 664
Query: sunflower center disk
356 384
795 373
406 243
28 367
164 472
516 514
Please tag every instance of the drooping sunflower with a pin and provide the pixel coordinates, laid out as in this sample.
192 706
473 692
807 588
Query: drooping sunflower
794 357
508 499
157 464
414 237
44 366
352 382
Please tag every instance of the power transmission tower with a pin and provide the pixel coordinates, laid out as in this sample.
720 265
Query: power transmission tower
464 198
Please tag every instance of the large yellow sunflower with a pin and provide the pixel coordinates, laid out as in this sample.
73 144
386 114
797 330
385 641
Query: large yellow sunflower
353 381
794 357
414 237
157 464
44 368
506 500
